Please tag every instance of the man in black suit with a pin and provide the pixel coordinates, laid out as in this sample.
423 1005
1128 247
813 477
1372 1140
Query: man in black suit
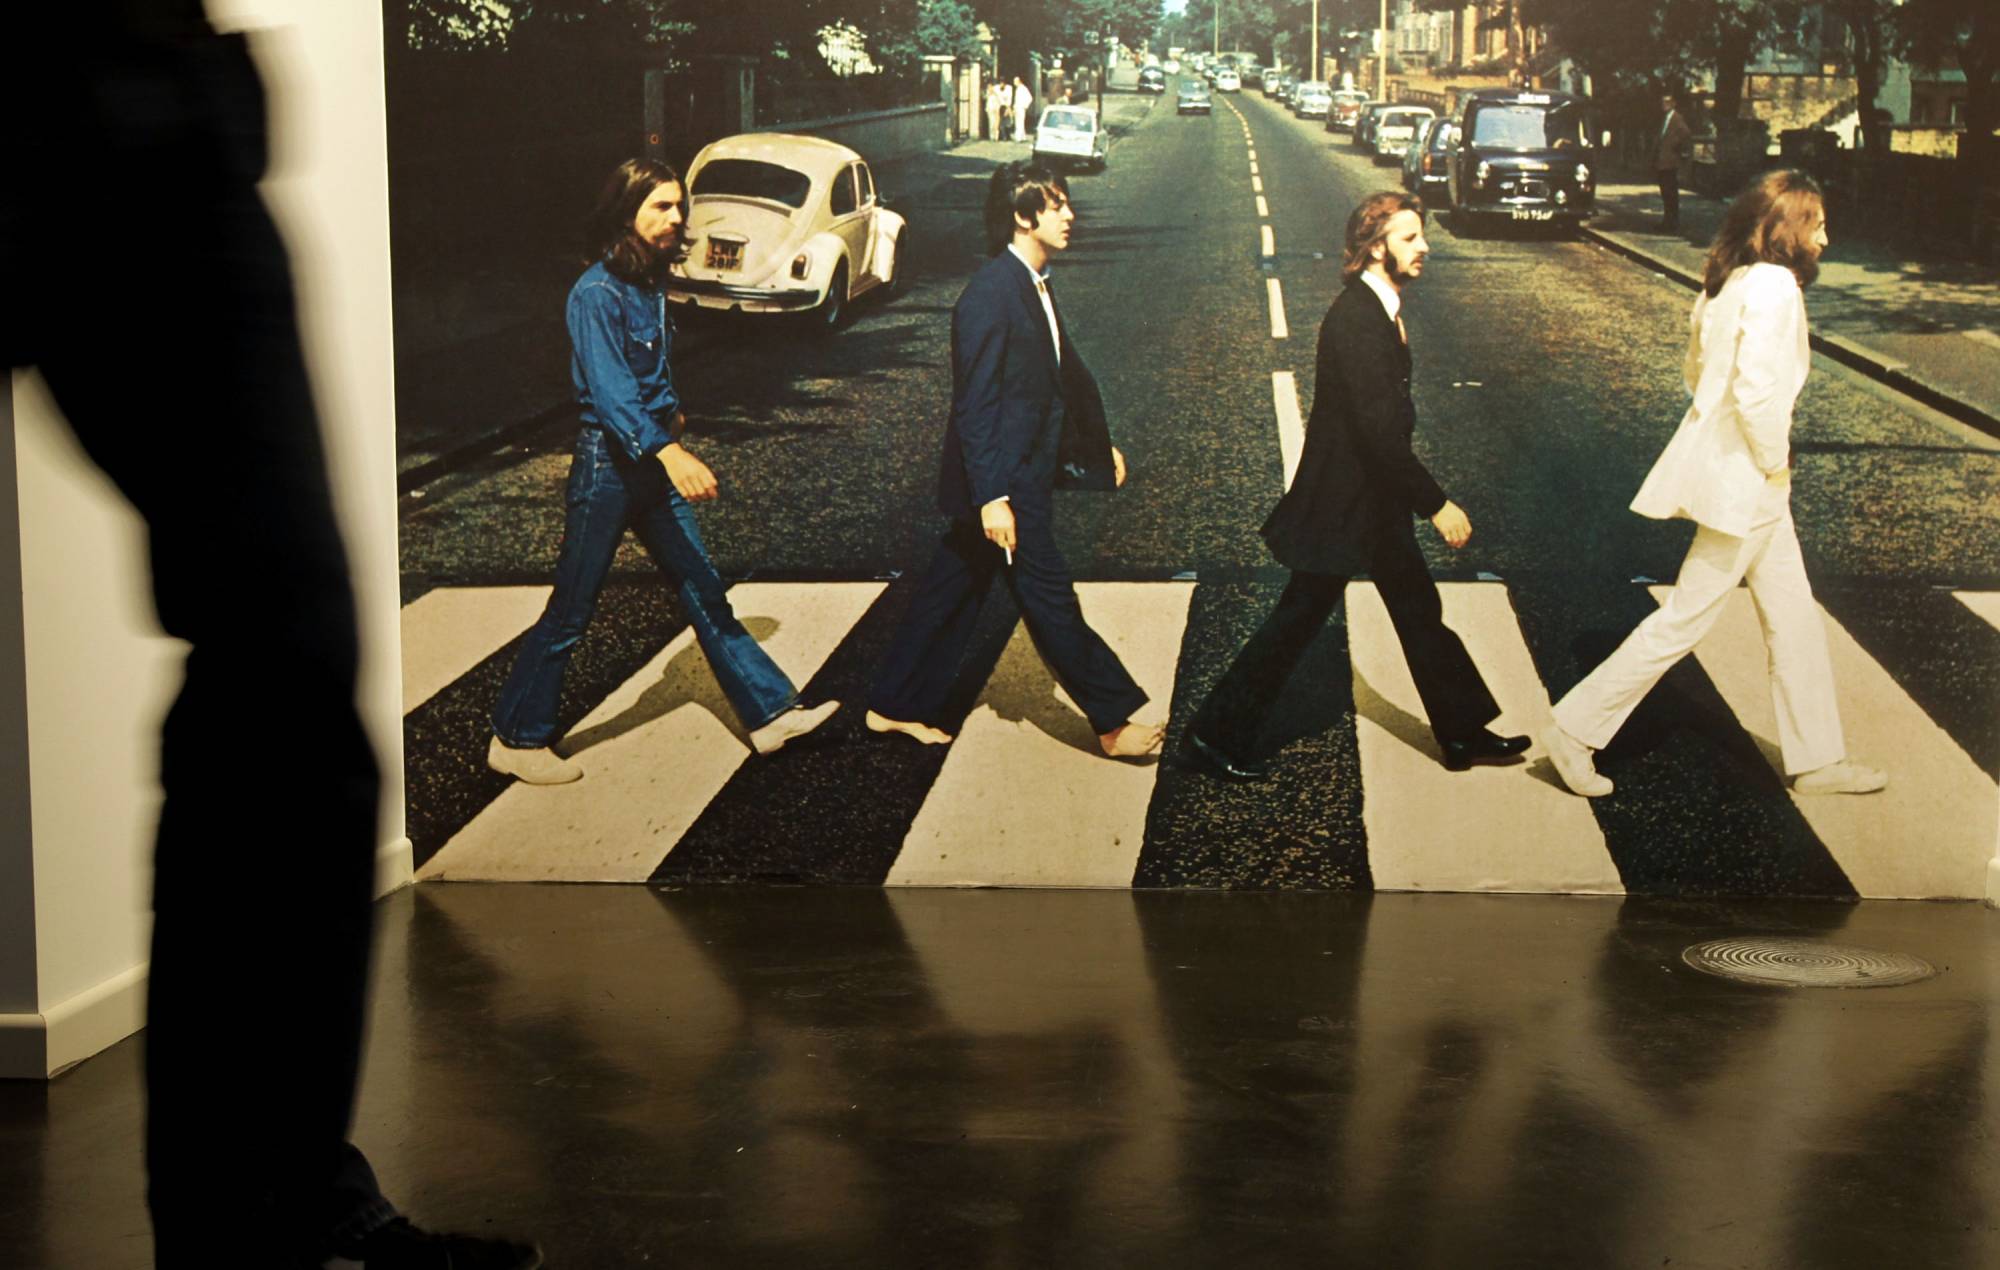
1348 512
1026 417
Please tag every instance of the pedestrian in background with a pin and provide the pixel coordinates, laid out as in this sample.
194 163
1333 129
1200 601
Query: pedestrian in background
1026 417
1022 100
996 92
1675 141
630 470
1349 511
1728 469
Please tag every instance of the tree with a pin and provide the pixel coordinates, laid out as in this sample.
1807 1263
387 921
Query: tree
1936 34
1868 28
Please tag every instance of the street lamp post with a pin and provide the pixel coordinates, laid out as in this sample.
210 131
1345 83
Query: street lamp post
1315 42
1382 55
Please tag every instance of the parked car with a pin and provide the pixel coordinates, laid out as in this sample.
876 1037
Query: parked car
1152 80
1228 80
1524 155
1347 103
778 223
1171 66
1253 76
1312 99
1396 128
1193 99
1426 161
1364 123
1070 135
1279 86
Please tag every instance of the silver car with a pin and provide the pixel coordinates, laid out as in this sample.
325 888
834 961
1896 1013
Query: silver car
1396 128
1312 99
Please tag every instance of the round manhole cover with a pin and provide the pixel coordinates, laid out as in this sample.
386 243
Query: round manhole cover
1806 963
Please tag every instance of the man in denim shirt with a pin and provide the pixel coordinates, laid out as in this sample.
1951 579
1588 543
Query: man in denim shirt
630 469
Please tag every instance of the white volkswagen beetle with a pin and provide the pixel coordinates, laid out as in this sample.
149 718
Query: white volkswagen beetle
779 223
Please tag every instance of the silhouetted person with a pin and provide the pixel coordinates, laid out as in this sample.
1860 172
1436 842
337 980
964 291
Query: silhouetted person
142 275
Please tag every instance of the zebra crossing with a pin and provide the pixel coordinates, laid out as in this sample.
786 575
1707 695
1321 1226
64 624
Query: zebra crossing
1023 797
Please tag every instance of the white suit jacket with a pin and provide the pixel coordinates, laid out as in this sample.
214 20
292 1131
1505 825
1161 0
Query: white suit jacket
1747 359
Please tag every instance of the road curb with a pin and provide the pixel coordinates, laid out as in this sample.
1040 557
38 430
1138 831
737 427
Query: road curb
1877 366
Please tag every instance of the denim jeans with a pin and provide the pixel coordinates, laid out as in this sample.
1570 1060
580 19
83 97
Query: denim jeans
606 493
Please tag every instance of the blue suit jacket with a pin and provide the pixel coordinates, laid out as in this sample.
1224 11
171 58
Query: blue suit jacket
1021 425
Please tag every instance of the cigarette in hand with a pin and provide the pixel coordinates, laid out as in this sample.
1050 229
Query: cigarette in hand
1010 556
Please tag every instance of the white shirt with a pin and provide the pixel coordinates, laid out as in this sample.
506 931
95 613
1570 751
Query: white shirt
1385 291
1048 304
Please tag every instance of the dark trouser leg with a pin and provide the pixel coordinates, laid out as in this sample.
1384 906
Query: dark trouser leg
922 663
1670 196
1083 663
1454 695
203 417
596 505
1241 700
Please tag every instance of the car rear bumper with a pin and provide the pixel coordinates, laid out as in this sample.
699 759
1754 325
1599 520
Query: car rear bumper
727 295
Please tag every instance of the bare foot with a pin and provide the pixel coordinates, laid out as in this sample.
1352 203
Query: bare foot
1133 740
922 732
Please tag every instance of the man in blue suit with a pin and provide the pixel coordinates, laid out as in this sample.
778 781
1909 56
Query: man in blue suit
1026 418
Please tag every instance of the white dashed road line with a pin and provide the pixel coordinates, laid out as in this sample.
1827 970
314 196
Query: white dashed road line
1279 330
1291 424
1270 241
1263 208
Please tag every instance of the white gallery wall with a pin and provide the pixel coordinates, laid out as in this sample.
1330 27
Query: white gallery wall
85 674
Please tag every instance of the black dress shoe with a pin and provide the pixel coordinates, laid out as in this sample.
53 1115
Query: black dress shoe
1487 747
1216 763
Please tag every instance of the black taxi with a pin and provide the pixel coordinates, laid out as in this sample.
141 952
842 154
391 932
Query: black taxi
1524 155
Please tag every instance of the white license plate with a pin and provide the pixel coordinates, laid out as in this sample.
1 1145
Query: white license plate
1534 213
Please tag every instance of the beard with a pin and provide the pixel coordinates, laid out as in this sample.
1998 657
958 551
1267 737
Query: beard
1394 267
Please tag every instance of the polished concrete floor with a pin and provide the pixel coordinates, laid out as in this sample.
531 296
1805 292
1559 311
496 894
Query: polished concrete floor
861 1077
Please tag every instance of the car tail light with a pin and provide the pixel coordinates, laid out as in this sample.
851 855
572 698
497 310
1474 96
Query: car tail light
801 265
1483 173
1583 174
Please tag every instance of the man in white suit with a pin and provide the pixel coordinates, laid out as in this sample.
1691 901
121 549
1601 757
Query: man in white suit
1728 469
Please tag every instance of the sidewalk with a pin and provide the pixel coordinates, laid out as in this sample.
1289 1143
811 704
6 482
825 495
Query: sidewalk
489 364
1928 327
1925 327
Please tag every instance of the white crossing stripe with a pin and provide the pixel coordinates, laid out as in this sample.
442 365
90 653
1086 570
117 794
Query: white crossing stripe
1026 797
1980 335
1986 604
1263 208
1256 183
1931 833
1276 297
1268 240
1291 423
448 631
1488 829
654 752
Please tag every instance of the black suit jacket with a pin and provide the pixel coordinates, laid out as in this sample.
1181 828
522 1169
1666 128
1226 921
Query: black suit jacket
1357 477
1021 425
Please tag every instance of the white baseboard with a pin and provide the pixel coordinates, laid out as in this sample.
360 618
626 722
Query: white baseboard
39 1046
395 867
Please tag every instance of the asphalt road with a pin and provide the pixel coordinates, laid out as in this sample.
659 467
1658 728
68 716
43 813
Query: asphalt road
1547 380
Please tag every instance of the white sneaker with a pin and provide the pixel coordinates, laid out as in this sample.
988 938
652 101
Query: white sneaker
532 767
1840 778
1571 759
793 723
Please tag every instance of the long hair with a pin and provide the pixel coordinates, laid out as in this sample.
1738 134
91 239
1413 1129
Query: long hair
1368 224
1771 221
611 235
1024 188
